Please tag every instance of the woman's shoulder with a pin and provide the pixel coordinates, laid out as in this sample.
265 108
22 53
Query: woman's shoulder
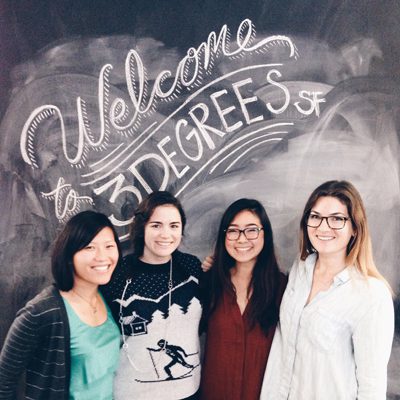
49 295
122 271
187 262
44 306
379 288
372 288
186 258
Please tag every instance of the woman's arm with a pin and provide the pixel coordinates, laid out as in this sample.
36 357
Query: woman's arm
372 340
21 341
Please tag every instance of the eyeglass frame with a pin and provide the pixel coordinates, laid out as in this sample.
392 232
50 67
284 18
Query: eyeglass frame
327 221
259 229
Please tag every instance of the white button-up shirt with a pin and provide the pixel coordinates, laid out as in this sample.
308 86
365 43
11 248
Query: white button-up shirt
336 347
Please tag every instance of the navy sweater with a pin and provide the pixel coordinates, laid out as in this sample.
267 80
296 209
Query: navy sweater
138 295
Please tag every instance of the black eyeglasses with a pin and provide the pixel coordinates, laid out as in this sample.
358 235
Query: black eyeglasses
334 221
250 233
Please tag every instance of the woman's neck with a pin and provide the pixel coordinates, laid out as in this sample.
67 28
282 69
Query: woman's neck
242 273
243 270
155 260
330 264
87 303
88 290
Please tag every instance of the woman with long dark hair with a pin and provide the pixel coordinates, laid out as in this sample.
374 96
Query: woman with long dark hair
65 339
336 321
154 296
244 291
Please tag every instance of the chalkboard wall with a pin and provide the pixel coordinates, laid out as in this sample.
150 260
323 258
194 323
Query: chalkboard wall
103 102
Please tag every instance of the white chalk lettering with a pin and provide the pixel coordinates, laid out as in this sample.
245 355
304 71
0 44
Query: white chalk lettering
192 134
244 101
202 127
201 122
118 190
313 99
222 112
66 200
169 157
280 86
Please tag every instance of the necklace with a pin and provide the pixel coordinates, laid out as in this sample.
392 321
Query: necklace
125 345
93 307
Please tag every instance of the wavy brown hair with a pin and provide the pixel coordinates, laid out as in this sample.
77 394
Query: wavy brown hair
145 210
359 249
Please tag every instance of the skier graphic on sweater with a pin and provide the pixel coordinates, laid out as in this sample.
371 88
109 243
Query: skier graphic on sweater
176 353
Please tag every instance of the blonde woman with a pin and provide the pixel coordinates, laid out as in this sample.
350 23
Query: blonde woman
336 325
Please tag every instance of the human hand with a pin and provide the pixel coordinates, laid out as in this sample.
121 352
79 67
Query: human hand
207 263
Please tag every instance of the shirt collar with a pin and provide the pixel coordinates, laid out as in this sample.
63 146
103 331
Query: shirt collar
342 277
307 267
308 270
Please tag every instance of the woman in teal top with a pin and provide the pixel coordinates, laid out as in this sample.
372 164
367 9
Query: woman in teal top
65 339
93 357
94 339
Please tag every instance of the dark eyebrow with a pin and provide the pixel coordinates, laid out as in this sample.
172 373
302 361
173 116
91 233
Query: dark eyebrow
330 215
159 222
247 225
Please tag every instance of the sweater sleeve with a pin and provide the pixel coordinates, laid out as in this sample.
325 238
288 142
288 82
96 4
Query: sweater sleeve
21 341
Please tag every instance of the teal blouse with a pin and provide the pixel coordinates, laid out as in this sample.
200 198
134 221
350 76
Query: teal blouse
94 357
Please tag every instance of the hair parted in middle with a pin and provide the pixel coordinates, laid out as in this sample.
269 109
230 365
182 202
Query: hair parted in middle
145 210
77 233
266 279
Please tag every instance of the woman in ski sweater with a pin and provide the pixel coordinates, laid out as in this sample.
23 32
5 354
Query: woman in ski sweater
154 296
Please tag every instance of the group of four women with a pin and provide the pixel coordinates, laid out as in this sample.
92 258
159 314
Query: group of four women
128 328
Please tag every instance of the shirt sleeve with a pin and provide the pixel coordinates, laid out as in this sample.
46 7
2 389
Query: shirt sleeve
372 341
21 341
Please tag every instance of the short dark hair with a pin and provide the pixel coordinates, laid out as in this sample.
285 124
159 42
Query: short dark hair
77 233
144 212
266 280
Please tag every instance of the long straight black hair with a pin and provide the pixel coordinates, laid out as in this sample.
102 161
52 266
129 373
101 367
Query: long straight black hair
266 280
